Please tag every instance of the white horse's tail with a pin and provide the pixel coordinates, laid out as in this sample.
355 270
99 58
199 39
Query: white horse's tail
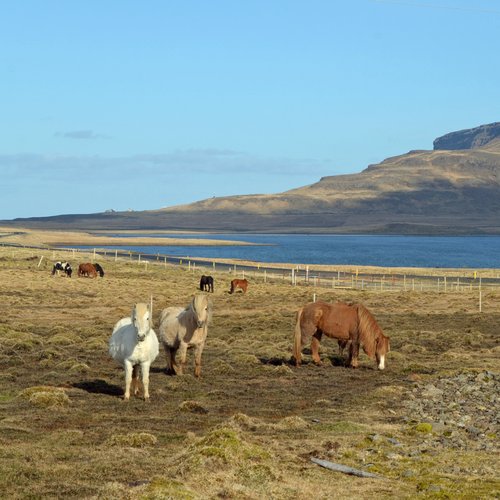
297 339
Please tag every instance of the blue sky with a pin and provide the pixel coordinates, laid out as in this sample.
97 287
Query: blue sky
123 104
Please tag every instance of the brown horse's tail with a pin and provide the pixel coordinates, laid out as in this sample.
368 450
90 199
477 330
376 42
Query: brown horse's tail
369 331
297 339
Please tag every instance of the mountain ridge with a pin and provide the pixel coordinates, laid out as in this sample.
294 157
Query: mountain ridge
439 191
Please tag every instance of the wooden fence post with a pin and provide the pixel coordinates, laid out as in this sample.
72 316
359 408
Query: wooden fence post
480 296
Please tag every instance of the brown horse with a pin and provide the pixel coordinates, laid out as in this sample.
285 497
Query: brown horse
350 324
87 269
243 284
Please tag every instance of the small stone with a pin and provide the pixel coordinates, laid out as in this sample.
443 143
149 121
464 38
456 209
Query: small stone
431 391
473 430
408 473
438 427
394 442
434 488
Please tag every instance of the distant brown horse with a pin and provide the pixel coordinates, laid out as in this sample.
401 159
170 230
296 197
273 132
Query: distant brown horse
243 284
350 324
90 270
87 269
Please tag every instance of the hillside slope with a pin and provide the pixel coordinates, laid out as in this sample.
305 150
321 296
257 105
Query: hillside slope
432 192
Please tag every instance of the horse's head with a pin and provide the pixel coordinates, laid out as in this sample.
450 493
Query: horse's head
383 347
202 309
141 319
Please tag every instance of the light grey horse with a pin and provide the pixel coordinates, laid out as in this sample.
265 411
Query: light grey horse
133 344
183 328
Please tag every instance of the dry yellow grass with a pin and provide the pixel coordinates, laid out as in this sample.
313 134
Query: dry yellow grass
248 427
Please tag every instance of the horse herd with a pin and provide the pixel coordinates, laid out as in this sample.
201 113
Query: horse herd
135 345
87 269
207 284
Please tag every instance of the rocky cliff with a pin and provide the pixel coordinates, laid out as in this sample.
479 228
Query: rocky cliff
469 138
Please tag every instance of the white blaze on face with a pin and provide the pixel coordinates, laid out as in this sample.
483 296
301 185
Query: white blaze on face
200 306
381 363
140 318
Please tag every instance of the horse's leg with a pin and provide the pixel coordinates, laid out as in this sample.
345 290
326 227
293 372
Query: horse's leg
305 331
135 380
342 346
197 359
128 379
183 353
145 378
170 358
353 354
172 367
316 339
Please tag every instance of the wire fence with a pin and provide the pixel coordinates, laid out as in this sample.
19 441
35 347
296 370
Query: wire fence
298 275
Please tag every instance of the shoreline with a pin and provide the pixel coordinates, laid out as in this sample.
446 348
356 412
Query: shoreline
51 239
59 238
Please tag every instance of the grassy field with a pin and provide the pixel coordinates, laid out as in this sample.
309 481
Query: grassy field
250 425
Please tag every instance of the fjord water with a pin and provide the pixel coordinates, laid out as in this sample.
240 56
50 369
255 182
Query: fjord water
373 250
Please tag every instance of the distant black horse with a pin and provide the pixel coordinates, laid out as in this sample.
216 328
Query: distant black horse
207 284
99 269
65 267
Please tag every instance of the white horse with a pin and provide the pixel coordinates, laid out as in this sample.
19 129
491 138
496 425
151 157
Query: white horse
182 328
133 344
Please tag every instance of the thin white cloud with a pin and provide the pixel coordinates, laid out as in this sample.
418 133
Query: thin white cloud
81 134
35 184
207 161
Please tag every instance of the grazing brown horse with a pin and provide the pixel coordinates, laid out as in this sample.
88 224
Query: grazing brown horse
350 324
87 269
243 284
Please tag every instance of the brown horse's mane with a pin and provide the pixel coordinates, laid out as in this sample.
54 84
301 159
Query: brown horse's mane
369 330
